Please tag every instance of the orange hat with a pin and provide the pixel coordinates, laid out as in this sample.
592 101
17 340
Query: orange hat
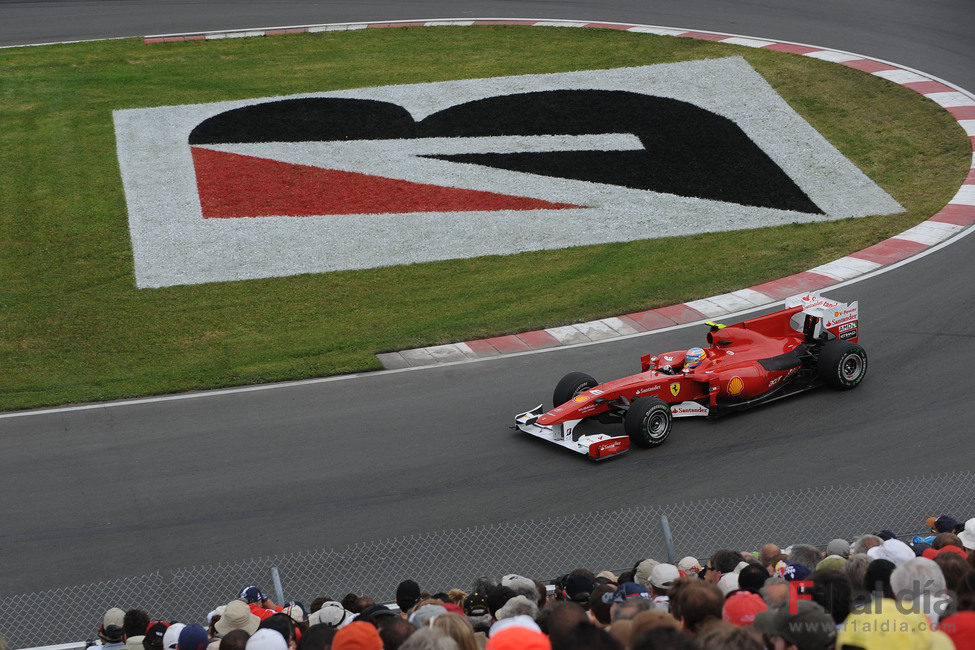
357 635
515 638
741 607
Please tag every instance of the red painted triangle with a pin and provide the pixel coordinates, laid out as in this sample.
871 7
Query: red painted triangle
233 185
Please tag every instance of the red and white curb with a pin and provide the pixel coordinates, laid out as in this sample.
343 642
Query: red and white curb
951 220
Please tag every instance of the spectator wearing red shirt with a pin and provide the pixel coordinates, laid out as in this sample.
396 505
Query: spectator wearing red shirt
261 606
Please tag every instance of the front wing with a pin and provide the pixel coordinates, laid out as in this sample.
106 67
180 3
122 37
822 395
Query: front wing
596 446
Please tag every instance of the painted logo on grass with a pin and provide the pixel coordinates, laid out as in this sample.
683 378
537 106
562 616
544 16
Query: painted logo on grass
405 174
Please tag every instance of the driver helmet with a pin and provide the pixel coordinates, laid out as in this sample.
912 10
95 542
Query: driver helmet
693 358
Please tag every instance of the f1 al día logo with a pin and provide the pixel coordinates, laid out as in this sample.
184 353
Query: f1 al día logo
415 173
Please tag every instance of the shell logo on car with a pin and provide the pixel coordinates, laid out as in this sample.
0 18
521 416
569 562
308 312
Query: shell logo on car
735 386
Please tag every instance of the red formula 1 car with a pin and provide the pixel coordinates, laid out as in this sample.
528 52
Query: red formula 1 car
812 342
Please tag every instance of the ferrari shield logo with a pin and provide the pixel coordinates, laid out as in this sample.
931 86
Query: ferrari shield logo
675 388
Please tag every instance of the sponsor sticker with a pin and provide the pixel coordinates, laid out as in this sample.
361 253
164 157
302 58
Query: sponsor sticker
848 334
688 408
848 326
735 386
675 389
843 316
368 177
580 398
650 389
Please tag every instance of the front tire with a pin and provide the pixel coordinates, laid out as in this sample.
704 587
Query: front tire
648 421
842 364
571 385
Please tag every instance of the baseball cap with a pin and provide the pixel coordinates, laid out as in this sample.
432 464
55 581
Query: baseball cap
476 604
112 621
172 635
728 583
295 610
945 524
606 577
663 576
578 587
155 632
193 637
641 573
626 591
252 594
796 571
741 607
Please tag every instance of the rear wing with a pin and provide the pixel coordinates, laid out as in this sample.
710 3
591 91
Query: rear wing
839 319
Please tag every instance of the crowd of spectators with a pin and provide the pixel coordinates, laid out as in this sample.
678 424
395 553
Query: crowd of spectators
875 592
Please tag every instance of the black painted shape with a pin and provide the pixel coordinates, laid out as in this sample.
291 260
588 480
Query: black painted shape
688 151
301 120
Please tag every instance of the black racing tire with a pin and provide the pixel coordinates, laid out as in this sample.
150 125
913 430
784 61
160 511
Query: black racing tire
648 421
571 385
842 364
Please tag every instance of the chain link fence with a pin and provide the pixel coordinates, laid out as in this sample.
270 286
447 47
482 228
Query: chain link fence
540 549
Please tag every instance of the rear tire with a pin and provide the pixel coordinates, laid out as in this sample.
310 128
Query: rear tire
842 364
571 385
648 421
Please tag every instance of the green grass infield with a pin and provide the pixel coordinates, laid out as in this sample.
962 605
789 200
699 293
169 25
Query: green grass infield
74 327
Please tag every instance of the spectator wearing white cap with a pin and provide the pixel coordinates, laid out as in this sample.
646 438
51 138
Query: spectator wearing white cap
662 578
110 632
171 637
689 565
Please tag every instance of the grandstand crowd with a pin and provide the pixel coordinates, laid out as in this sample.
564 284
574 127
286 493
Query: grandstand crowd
874 593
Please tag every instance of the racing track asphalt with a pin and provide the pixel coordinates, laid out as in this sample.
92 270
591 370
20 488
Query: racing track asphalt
111 491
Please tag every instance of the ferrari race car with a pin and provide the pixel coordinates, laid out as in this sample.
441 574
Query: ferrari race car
812 342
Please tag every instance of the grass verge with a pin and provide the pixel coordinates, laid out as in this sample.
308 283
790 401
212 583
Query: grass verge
74 328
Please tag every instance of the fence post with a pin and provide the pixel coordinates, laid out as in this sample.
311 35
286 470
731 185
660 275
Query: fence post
278 591
668 539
